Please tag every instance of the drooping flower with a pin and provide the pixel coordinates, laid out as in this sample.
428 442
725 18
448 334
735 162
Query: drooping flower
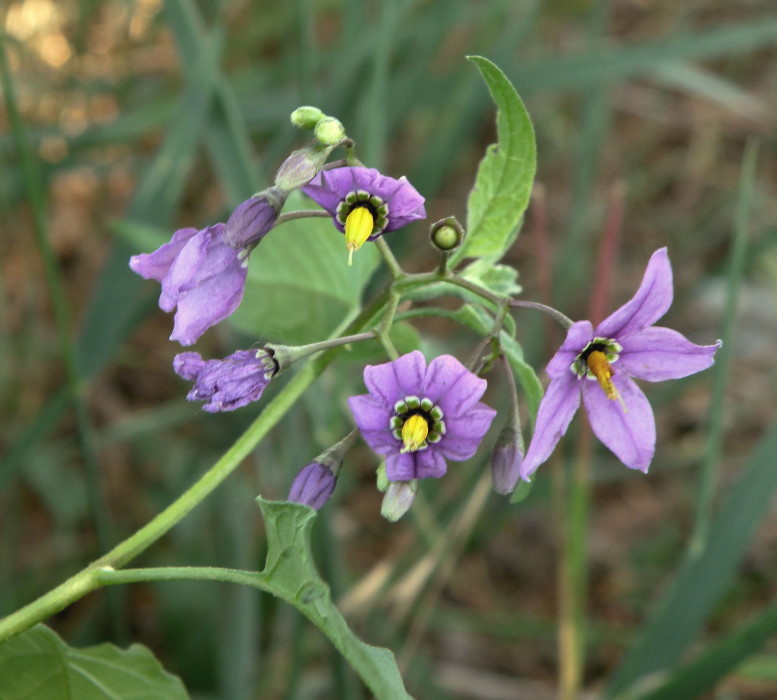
201 275
365 204
599 363
417 416
226 384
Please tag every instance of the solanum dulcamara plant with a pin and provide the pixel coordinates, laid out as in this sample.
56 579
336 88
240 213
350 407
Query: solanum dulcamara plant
420 412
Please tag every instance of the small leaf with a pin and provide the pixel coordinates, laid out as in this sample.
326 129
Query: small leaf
38 665
506 173
299 285
291 575
499 279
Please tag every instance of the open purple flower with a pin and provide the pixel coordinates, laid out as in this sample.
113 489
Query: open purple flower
599 363
365 204
200 274
226 384
417 416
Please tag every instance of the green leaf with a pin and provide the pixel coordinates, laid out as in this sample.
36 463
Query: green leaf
702 581
38 665
499 279
506 174
291 575
299 285
724 656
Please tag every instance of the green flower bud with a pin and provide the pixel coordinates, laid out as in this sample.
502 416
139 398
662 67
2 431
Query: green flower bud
398 499
446 234
329 131
306 117
301 166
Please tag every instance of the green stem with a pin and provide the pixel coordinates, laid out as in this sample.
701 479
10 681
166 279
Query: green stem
388 257
302 214
84 582
107 576
555 314
385 325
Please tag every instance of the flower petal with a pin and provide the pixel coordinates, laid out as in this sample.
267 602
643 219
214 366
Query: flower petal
451 385
206 305
557 407
650 303
578 336
464 434
394 380
430 464
156 265
629 434
372 419
401 466
656 354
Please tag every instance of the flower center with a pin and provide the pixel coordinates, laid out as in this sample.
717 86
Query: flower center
362 226
595 362
417 423
358 227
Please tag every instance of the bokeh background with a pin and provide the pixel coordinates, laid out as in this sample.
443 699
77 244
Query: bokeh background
142 116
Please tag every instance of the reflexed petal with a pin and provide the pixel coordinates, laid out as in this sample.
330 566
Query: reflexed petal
650 303
451 385
329 187
656 354
401 466
630 434
156 265
557 407
578 336
430 464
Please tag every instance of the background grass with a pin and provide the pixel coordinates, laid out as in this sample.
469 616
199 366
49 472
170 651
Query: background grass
143 116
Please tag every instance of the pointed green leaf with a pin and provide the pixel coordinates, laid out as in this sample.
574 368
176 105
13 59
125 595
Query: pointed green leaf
506 174
39 665
291 575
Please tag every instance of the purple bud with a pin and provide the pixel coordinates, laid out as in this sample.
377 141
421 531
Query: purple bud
302 166
226 384
313 485
506 460
253 218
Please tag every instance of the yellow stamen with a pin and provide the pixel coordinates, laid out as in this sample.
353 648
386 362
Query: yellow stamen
414 433
358 227
600 367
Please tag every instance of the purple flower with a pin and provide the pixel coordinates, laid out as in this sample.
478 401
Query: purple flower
252 219
226 384
200 274
417 416
599 363
313 485
365 204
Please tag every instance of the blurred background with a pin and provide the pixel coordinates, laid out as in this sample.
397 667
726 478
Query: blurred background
137 117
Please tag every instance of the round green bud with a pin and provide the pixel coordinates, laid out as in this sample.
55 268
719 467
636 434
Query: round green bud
447 234
329 131
306 117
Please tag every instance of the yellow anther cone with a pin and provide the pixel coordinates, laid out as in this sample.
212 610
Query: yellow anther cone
414 433
358 227
600 367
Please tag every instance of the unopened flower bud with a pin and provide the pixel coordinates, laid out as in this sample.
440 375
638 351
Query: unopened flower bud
382 481
506 460
447 234
313 485
252 219
398 499
329 131
302 166
306 117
